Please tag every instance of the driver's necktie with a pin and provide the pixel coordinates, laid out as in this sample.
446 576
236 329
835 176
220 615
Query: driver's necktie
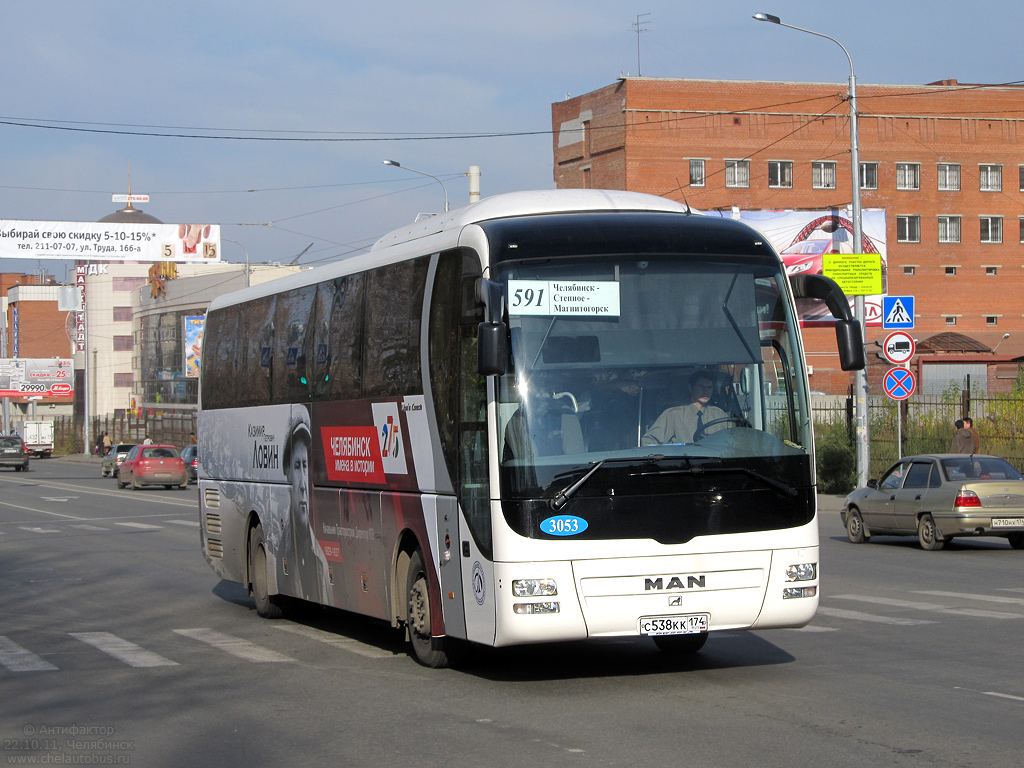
698 433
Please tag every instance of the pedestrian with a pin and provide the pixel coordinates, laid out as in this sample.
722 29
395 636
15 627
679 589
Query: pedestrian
148 440
969 424
107 442
962 440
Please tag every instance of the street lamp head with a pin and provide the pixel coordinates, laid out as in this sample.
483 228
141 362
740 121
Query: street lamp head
392 162
767 17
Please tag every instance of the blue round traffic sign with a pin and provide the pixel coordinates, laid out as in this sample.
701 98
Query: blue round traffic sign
899 383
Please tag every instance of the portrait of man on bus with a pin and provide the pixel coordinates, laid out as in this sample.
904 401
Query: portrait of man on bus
302 558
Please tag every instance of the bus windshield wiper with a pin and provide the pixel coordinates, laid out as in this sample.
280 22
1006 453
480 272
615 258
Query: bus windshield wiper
560 499
778 485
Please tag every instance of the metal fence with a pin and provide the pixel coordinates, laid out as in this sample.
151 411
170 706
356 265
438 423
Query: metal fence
924 424
168 429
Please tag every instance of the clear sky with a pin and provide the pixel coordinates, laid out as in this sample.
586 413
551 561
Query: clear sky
314 95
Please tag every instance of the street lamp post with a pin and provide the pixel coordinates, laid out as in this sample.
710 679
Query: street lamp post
228 240
397 164
863 452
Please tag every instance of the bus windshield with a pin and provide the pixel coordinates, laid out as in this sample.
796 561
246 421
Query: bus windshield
672 364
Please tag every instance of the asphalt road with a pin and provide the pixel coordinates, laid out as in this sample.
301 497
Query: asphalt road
119 646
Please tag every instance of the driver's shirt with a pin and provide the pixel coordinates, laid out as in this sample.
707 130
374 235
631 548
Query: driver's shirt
677 425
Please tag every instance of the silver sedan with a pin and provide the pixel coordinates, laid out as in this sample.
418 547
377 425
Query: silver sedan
938 497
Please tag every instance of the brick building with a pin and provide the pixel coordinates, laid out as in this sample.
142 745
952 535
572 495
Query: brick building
945 162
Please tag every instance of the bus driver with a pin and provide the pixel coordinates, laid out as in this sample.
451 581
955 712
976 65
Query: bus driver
685 423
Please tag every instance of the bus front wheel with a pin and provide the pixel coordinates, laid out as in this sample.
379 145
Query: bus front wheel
426 650
267 606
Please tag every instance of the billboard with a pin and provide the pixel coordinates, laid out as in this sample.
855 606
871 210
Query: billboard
807 239
194 325
109 241
37 377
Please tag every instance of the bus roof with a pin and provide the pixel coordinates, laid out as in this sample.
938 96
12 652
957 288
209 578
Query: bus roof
442 231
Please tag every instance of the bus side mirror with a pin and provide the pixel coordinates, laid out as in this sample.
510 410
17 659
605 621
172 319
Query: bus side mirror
849 338
851 345
492 351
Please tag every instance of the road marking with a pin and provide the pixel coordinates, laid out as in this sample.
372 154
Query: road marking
37 529
122 650
243 649
17 659
190 523
87 527
982 598
997 694
915 606
811 629
141 526
40 511
840 613
54 498
337 641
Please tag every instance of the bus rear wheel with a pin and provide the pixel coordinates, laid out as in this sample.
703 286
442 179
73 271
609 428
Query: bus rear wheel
426 650
680 644
268 606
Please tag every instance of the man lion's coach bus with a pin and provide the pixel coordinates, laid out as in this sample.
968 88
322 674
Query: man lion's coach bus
546 416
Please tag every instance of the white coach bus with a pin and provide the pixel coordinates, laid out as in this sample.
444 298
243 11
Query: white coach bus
483 429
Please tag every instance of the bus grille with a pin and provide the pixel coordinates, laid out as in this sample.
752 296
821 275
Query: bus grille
212 524
211 498
215 548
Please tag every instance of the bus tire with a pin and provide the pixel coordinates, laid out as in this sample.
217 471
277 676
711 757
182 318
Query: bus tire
680 644
426 650
268 606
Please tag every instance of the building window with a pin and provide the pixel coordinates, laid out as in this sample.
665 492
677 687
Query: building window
951 271
991 229
908 176
950 320
909 271
869 175
123 343
991 271
1022 229
737 173
908 229
991 320
990 178
1020 170
823 175
127 283
780 174
696 173
949 229
586 177
122 314
123 380
949 177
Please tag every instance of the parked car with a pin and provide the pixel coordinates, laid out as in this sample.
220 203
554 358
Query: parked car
189 456
152 465
937 497
13 453
112 459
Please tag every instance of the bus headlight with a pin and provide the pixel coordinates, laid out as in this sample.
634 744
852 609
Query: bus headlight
802 572
534 587
532 609
791 592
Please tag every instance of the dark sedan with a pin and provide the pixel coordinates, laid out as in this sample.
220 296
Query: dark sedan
191 459
13 453
938 497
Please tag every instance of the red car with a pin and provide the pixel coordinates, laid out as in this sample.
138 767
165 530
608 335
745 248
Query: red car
152 465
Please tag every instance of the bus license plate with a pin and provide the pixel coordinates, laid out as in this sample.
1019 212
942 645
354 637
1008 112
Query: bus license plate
674 625
1007 522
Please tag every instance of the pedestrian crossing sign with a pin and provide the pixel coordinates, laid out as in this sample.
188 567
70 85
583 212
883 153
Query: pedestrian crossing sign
897 311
